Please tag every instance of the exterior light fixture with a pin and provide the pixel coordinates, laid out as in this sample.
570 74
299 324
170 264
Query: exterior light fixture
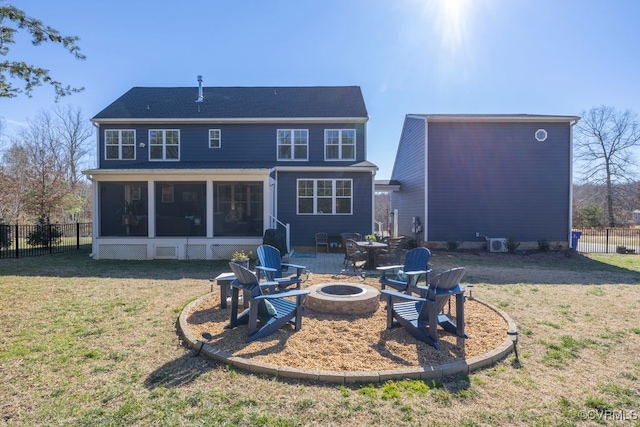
470 287
142 145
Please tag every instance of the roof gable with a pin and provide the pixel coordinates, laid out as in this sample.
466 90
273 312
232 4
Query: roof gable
237 103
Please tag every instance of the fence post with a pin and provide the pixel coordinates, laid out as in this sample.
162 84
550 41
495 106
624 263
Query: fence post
17 245
77 236
49 242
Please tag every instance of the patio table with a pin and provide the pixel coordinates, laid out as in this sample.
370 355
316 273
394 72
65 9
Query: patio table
371 248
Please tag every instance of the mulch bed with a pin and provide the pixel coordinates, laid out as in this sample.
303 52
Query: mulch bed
348 342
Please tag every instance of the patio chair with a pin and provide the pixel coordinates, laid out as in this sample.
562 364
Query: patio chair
421 316
416 265
322 239
354 254
272 266
353 236
273 311
393 253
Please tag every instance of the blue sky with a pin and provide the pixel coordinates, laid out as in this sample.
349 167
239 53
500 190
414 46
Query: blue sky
408 56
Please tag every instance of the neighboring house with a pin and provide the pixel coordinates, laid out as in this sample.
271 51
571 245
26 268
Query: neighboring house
636 216
472 178
197 173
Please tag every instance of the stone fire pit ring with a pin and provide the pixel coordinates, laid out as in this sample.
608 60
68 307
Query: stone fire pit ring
343 298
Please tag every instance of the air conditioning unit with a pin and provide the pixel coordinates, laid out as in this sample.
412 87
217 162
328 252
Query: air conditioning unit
497 244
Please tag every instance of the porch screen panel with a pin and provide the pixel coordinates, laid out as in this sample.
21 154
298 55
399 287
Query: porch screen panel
238 208
181 208
123 208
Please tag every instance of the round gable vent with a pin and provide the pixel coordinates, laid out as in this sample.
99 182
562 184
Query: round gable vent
541 135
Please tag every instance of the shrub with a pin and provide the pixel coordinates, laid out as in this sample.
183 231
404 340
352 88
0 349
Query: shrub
44 234
512 245
452 244
543 245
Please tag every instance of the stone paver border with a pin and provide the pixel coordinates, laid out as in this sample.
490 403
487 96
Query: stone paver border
345 377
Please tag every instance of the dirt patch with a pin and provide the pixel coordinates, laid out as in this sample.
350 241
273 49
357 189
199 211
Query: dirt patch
348 342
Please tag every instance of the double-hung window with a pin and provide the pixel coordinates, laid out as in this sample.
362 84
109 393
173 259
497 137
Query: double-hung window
164 144
325 196
120 144
293 144
215 138
340 144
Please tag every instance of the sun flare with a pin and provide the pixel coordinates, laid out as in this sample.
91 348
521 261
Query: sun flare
452 22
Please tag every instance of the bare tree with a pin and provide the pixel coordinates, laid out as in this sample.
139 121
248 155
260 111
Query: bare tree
382 210
13 190
12 20
603 143
73 133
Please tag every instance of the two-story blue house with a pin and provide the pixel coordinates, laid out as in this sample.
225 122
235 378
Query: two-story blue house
200 172
480 179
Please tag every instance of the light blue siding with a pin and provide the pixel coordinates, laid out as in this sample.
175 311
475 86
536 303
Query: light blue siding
304 227
409 171
497 179
240 143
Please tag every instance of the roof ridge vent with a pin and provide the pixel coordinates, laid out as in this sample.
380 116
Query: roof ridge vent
200 96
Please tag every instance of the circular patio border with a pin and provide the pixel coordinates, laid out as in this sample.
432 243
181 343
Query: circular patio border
427 372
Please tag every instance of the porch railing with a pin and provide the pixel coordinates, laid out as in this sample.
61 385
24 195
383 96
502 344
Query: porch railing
275 222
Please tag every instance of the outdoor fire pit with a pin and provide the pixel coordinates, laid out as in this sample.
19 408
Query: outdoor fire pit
343 298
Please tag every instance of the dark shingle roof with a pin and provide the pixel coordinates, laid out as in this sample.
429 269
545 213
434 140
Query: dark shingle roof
237 103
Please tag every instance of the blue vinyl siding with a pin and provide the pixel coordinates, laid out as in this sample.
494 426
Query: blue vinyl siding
409 171
497 179
304 227
240 143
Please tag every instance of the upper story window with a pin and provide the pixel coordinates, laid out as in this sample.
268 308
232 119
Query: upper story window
215 138
325 196
340 144
164 144
293 144
120 144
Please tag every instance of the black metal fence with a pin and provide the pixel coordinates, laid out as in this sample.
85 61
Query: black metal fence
18 241
609 240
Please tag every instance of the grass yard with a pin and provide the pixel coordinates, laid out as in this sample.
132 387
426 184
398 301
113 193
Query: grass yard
93 343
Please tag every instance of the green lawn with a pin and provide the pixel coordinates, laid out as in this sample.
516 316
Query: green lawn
93 343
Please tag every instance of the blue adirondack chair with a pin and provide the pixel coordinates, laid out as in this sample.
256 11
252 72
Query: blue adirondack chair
421 315
272 266
416 264
267 312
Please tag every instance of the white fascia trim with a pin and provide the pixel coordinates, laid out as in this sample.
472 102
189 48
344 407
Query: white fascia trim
326 169
174 174
493 118
214 120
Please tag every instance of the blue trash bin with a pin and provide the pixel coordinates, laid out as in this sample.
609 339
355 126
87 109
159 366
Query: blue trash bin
575 236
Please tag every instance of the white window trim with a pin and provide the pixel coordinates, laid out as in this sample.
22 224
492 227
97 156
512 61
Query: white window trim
315 196
164 145
340 158
292 145
219 139
119 143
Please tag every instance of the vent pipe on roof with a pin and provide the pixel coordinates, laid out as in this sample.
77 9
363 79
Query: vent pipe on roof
200 97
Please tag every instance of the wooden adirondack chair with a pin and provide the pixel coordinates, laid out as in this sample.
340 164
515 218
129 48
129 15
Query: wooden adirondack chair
272 266
421 315
267 312
416 264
